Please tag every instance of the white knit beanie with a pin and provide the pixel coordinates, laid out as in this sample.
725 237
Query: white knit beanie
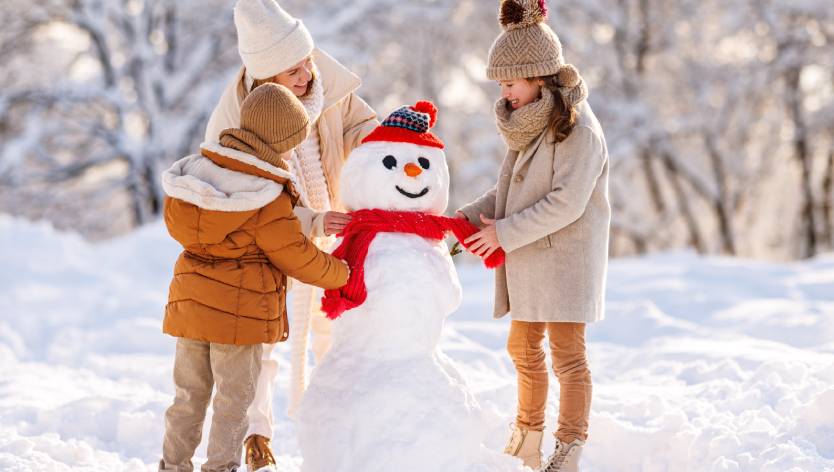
269 40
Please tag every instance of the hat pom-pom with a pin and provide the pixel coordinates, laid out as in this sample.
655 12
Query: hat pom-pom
522 13
568 76
425 106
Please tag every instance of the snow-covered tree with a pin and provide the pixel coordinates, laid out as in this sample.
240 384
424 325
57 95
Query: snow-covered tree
719 114
116 91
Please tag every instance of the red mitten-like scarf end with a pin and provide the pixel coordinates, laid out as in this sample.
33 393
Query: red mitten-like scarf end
334 306
496 259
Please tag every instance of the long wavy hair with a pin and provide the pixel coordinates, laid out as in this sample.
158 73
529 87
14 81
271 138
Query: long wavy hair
563 119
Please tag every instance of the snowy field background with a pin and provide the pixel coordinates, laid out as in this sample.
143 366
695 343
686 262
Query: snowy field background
702 364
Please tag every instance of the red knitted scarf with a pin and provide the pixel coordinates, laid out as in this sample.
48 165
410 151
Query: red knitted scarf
361 231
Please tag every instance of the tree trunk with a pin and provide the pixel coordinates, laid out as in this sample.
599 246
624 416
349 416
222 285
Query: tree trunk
827 197
639 241
722 204
153 189
652 182
644 43
145 191
808 227
137 203
695 239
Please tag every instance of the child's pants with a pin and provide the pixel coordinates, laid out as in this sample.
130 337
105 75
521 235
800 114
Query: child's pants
199 366
567 348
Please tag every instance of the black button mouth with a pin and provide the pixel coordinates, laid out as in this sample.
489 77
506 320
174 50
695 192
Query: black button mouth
412 195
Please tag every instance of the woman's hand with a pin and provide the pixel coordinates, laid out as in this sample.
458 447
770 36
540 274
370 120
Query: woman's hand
335 222
484 242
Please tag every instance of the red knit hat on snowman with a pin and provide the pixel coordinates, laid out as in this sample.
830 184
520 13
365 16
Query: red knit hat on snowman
409 124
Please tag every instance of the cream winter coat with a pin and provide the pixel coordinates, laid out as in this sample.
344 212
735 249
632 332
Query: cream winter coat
551 203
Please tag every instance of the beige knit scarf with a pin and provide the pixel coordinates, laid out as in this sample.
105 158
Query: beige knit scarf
520 127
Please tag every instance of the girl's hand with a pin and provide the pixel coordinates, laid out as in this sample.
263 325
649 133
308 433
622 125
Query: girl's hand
335 222
484 242
461 215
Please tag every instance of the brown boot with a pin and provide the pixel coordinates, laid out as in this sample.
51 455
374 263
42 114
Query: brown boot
259 456
527 446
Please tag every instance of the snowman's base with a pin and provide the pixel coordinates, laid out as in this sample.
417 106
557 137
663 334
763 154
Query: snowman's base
404 415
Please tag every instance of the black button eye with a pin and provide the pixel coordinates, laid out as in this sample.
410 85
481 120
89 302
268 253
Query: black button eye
424 163
389 162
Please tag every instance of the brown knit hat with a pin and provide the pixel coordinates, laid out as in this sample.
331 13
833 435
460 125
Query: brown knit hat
272 122
529 48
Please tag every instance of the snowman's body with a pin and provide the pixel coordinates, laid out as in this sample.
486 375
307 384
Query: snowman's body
385 398
412 286
384 384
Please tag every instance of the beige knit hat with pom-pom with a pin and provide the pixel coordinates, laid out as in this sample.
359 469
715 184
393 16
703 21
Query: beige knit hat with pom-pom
529 48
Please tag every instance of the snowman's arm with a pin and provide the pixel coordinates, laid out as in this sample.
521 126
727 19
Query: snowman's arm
279 235
577 164
358 120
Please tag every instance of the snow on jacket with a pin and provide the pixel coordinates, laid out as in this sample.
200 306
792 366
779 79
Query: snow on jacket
551 203
233 215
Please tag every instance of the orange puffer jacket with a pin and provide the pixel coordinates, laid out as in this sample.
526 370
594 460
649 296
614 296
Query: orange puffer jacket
233 215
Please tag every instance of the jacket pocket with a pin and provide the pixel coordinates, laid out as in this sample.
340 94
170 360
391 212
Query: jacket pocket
545 242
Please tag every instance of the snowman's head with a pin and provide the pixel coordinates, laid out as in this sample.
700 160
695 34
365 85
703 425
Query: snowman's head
400 166
396 176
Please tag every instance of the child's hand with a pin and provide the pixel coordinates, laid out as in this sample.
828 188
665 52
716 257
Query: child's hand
484 242
335 222
461 215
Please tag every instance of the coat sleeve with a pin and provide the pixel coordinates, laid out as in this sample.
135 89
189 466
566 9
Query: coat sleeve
227 112
279 235
577 164
312 222
358 120
485 204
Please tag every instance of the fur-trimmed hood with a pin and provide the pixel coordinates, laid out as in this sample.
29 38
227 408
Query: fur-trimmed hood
224 179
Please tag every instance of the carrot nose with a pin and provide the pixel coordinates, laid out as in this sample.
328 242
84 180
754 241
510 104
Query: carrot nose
413 170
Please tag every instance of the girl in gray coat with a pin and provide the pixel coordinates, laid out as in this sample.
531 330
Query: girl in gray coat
550 212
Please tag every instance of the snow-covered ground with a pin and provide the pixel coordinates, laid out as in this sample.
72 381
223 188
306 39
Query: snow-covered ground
702 364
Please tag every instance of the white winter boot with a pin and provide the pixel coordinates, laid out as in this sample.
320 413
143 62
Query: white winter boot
565 457
527 446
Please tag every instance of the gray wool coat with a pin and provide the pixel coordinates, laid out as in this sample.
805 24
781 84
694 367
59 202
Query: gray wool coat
554 217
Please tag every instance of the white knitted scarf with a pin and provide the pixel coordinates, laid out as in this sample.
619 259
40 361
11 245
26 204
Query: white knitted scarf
306 158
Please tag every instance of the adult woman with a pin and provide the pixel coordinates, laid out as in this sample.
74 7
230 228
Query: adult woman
275 47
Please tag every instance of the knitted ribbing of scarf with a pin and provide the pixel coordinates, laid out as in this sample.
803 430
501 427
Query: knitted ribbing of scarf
361 231
306 158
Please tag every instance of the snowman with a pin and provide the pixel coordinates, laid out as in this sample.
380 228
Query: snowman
385 398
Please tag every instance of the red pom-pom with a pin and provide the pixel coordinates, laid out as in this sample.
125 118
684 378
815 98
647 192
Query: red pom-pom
425 106
543 7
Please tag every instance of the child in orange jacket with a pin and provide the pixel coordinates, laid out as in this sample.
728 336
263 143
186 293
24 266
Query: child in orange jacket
231 208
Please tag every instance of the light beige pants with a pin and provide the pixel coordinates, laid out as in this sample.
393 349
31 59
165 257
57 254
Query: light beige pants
198 367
